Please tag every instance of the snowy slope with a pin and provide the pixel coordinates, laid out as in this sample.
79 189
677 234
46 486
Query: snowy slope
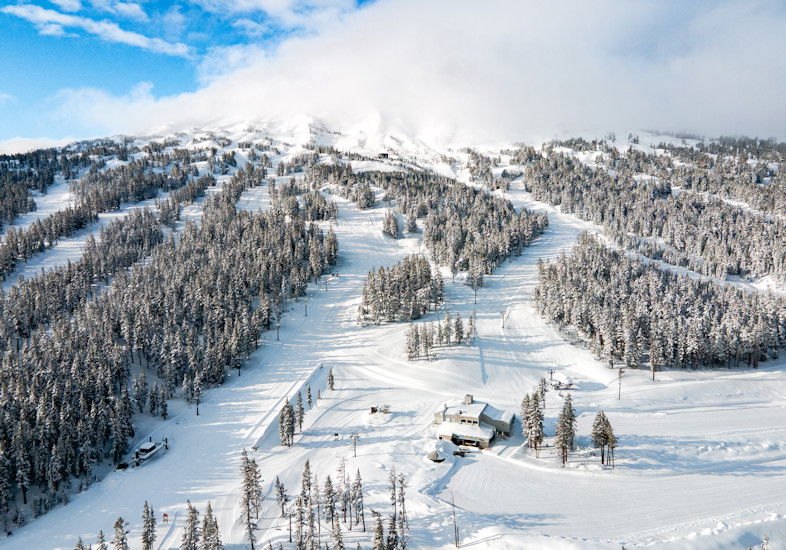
701 461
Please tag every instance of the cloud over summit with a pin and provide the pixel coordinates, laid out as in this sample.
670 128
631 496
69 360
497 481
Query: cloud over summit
474 71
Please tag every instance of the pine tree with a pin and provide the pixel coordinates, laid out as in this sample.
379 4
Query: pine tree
611 442
281 495
524 415
535 423
378 540
570 419
331 380
469 333
413 342
120 540
5 495
393 539
80 545
403 523
329 500
101 542
542 388
458 329
562 437
148 527
357 499
390 225
337 542
190 539
211 538
299 412
251 494
600 434
286 424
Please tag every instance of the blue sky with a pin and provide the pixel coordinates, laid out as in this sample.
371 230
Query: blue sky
111 45
453 70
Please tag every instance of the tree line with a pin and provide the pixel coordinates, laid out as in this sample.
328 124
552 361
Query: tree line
701 232
193 311
422 338
464 228
634 313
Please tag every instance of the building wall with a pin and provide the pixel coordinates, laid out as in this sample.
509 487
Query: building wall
498 425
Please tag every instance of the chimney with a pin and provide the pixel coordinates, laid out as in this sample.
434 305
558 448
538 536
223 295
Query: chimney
468 399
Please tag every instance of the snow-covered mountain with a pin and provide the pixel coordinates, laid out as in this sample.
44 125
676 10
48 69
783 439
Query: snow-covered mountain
700 459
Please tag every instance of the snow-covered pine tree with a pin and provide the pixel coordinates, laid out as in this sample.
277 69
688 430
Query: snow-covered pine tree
413 342
611 442
393 538
542 388
390 225
336 540
570 419
524 415
299 411
148 527
331 380
286 424
357 499
190 538
329 500
535 434
403 522
600 435
469 332
281 495
458 329
211 537
101 542
562 437
249 495
120 539
378 540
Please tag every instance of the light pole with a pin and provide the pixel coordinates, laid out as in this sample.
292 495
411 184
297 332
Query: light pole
355 437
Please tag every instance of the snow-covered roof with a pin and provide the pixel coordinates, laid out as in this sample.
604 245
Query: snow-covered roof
499 414
474 410
473 431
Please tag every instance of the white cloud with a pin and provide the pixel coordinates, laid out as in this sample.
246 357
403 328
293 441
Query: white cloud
68 5
467 71
130 10
308 14
251 28
174 23
6 98
50 29
23 145
48 21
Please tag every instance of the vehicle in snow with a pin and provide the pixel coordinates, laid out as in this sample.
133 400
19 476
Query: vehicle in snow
149 450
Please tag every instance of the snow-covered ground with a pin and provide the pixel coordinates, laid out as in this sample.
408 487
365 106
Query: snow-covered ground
57 197
701 461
